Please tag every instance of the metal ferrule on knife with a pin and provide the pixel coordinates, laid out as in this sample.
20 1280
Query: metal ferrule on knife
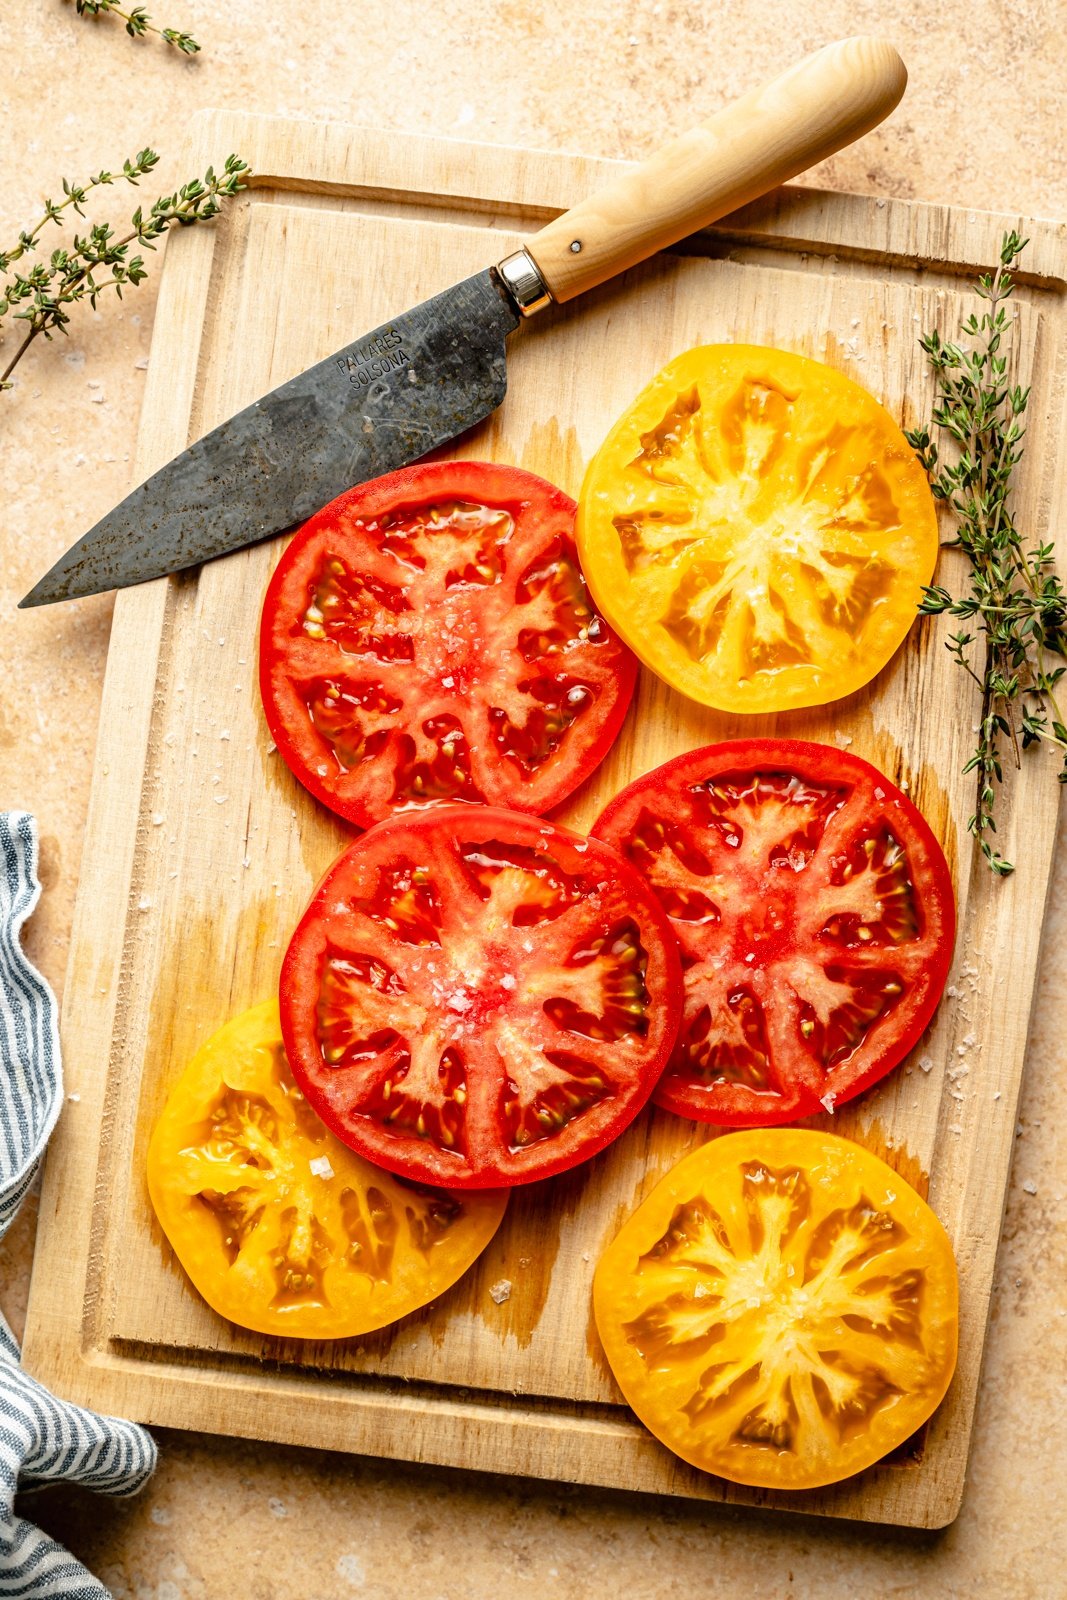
523 281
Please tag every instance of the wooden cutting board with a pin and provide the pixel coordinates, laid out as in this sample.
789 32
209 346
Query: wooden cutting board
201 849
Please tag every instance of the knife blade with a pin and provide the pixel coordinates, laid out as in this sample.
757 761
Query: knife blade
389 398
425 377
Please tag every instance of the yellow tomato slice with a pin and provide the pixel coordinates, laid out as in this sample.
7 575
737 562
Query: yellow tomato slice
279 1225
757 529
782 1309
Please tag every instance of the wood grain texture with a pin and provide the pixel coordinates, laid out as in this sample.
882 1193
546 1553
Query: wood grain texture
202 850
784 127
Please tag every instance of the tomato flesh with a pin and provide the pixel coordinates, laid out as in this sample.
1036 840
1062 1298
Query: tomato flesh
477 998
781 1310
814 912
758 529
429 636
278 1224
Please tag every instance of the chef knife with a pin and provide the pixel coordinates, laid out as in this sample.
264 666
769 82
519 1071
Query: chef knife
425 377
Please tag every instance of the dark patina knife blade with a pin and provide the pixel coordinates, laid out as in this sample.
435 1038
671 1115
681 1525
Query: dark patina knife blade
417 382
397 393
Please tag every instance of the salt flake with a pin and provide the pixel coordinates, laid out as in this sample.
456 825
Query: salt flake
321 1167
501 1291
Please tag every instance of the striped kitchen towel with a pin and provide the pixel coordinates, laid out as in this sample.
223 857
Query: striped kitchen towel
42 1439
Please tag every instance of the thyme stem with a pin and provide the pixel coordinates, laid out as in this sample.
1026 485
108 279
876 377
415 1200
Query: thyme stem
16 358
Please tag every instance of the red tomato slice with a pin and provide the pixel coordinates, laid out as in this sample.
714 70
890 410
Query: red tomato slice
429 636
816 920
477 998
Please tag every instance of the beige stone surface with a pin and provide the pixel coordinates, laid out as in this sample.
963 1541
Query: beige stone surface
981 125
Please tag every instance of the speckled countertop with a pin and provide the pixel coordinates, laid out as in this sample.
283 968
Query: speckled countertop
981 125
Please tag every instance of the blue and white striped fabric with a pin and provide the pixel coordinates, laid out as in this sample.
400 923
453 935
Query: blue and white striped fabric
42 1439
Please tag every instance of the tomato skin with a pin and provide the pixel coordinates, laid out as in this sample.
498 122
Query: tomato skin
758 530
399 706
796 1084
273 1243
781 1310
463 980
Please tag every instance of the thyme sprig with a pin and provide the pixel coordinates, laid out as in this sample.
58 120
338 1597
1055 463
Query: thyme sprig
98 260
75 195
1017 606
138 23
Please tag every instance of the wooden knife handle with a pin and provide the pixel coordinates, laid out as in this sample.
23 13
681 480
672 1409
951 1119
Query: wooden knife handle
771 134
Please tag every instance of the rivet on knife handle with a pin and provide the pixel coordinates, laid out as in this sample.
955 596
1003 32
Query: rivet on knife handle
769 135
